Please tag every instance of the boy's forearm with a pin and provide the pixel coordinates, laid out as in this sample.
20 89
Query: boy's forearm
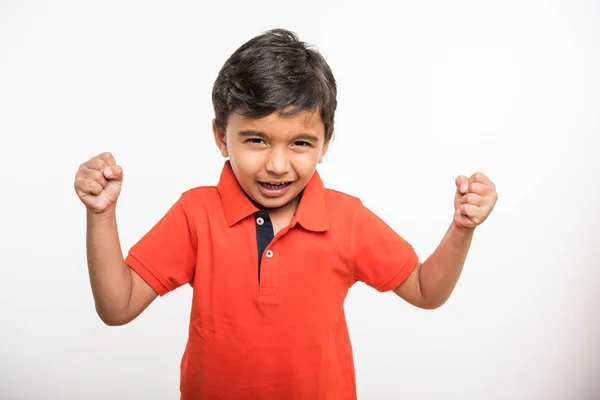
440 272
110 276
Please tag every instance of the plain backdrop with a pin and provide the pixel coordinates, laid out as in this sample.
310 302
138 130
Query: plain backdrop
427 91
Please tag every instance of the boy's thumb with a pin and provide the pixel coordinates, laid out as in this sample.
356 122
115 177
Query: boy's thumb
462 184
113 173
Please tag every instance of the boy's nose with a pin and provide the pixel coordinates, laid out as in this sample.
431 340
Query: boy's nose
277 163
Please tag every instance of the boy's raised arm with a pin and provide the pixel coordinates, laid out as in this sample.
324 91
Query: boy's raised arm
120 294
430 284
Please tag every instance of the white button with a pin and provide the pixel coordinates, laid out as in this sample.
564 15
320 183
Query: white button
260 221
269 253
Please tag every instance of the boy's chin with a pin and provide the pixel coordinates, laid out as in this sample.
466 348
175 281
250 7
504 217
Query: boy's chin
272 203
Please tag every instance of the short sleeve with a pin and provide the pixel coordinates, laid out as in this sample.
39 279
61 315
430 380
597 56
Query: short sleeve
165 257
382 258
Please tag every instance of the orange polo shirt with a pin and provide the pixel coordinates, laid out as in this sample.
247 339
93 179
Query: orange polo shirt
267 319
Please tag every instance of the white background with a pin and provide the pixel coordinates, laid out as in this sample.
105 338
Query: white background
427 91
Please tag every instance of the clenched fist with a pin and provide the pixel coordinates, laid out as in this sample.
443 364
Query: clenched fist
474 200
98 183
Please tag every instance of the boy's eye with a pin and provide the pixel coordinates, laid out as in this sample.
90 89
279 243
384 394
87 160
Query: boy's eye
254 140
301 143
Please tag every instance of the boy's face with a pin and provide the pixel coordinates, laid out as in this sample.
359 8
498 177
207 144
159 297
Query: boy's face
274 157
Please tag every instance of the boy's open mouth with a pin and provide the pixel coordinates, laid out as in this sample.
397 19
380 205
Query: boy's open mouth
275 185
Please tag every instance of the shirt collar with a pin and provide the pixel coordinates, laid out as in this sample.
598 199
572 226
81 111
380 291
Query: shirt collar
311 212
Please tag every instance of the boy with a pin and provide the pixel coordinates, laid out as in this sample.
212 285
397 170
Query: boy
269 252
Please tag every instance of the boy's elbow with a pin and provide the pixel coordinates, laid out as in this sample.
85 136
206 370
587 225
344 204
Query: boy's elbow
429 304
113 322
111 319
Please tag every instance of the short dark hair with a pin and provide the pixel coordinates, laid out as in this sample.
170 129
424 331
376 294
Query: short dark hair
271 72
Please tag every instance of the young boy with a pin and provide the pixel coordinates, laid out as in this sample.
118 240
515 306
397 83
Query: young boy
270 253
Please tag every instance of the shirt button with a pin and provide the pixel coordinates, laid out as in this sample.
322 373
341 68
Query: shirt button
269 253
260 220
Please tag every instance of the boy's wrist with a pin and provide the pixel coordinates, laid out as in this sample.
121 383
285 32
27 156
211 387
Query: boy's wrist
461 230
103 216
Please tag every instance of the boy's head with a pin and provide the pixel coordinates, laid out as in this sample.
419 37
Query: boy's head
274 101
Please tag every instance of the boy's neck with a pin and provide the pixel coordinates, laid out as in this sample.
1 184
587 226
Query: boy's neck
282 216
288 208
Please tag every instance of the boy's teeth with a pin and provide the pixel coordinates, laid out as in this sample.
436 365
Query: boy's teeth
275 184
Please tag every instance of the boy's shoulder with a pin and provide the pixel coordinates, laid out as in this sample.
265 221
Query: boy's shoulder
206 193
203 190
199 198
341 206
342 198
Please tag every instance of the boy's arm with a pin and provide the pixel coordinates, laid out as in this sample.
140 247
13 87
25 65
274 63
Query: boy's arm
120 294
430 284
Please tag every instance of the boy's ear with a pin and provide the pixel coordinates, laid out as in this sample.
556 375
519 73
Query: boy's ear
220 139
324 150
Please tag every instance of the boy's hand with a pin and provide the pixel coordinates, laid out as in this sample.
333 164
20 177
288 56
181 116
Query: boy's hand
474 200
98 183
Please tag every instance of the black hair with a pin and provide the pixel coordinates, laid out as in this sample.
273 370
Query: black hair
272 72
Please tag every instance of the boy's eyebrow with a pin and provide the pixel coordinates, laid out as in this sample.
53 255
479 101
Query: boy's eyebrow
252 133
307 136
300 136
